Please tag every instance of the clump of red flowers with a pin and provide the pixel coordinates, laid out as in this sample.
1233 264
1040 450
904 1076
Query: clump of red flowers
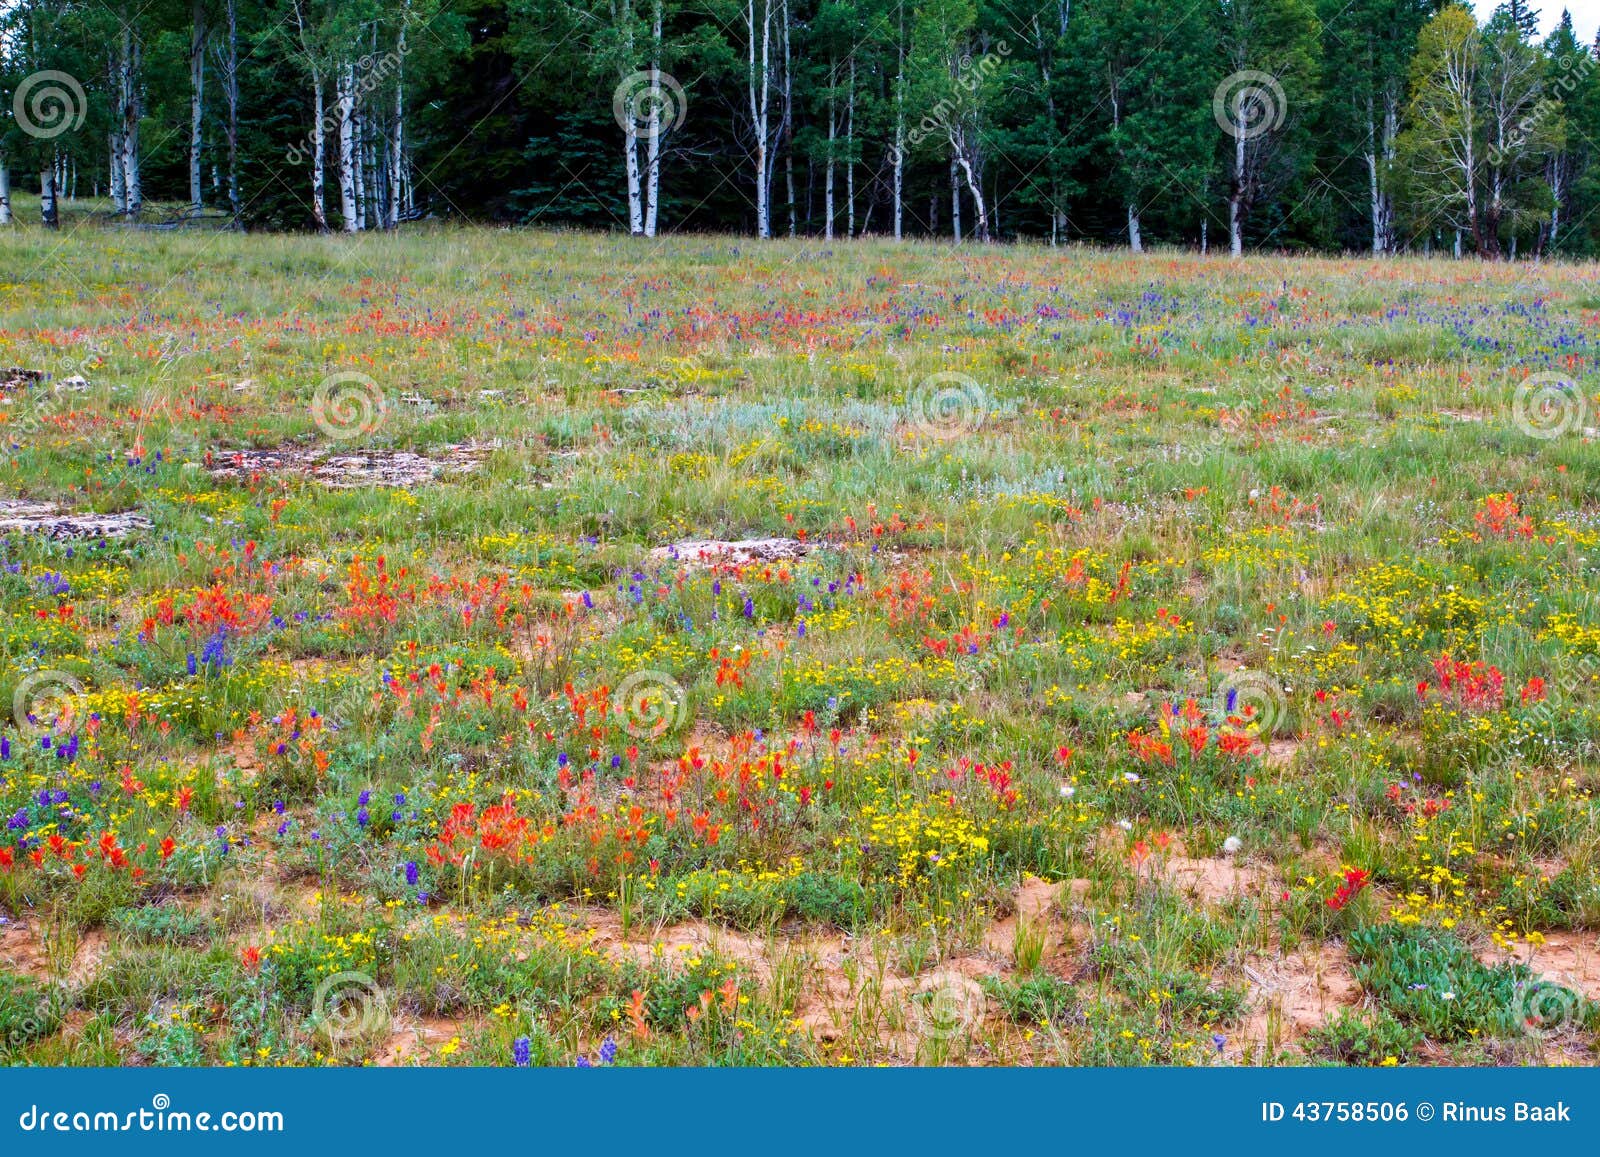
1477 686
1355 881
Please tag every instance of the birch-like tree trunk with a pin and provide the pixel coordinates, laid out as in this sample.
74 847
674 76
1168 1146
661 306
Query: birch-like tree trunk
47 196
397 135
128 68
788 121
827 179
965 164
850 152
230 97
1236 194
759 85
319 145
197 102
358 152
652 149
5 191
955 199
345 95
900 136
119 201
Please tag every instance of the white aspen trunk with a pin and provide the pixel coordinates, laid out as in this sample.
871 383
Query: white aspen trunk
980 208
118 191
955 201
197 104
652 148
1377 203
964 166
47 197
358 154
630 123
759 93
133 196
230 93
397 138
900 148
827 179
345 94
1236 195
5 191
319 211
788 121
1135 239
850 154
1558 191
630 162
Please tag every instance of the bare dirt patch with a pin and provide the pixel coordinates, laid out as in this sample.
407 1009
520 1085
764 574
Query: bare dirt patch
1293 994
1214 879
1570 959
417 1041
21 952
649 944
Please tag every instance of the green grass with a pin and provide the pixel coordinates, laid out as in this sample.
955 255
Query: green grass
1121 574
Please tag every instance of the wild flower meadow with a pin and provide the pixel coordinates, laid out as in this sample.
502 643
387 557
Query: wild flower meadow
517 649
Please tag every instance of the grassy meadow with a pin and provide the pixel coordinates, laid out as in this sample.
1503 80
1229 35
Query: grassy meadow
476 647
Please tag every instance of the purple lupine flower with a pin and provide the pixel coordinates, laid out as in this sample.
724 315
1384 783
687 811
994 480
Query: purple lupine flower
608 1050
521 1052
412 872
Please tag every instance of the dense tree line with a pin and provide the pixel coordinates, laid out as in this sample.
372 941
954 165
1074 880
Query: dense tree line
1376 125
